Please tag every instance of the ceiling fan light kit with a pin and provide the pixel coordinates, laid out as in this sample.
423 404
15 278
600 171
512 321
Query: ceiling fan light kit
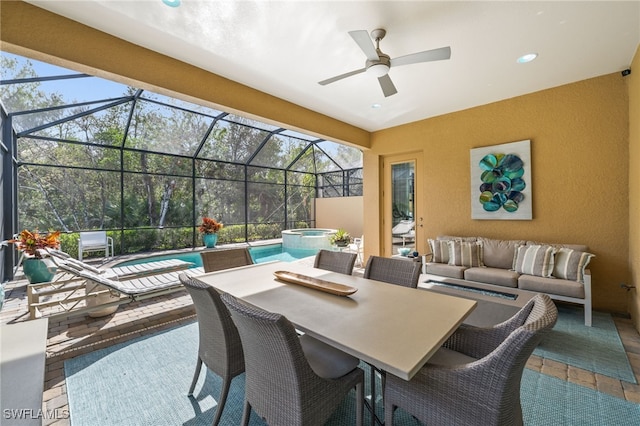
378 63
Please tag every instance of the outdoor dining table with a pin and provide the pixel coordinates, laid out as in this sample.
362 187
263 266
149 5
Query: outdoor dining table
393 328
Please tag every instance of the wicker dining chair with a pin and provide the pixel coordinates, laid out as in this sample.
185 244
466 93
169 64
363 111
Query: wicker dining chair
335 261
393 271
219 259
474 379
220 347
291 380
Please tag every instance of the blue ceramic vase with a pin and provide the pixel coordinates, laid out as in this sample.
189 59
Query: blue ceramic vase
210 240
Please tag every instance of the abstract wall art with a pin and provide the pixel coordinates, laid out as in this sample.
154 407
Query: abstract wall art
501 182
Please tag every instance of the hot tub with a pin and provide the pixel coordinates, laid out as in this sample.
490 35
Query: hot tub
307 238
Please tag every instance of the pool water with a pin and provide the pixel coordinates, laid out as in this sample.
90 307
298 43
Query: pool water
258 254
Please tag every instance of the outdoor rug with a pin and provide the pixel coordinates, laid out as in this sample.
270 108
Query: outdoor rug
597 348
144 382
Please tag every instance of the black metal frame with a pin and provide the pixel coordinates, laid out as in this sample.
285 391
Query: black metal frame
11 164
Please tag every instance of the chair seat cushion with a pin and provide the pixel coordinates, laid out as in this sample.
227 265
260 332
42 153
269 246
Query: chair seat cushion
503 277
325 360
448 357
446 270
551 286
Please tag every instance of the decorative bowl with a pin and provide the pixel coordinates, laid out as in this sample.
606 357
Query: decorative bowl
404 251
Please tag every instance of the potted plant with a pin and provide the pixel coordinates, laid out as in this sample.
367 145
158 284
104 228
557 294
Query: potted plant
341 238
30 243
209 230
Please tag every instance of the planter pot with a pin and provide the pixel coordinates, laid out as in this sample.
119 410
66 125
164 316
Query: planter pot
342 243
38 270
101 299
210 240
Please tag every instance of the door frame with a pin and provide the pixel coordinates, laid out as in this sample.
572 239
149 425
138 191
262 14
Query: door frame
387 208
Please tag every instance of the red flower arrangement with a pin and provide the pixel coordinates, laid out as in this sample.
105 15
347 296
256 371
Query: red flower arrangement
30 242
210 226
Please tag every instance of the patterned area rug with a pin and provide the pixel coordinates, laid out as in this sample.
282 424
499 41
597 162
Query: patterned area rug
144 382
597 348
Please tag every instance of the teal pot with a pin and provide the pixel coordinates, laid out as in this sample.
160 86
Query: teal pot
38 270
210 240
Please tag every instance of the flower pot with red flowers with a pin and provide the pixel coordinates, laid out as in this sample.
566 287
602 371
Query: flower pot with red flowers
209 230
31 243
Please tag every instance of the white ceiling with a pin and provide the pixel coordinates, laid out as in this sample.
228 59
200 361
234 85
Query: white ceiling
285 47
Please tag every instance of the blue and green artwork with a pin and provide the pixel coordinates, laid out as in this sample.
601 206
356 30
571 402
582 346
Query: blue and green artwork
502 182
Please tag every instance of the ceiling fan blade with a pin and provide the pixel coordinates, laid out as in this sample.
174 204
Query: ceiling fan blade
363 40
426 56
387 86
341 76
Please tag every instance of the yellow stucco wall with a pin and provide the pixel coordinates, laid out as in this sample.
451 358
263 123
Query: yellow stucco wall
633 84
579 154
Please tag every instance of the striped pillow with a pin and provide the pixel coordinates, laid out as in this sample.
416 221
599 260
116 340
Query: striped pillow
467 254
440 250
570 264
534 260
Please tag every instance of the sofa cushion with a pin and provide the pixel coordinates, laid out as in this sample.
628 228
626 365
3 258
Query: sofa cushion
454 238
570 264
440 250
551 286
463 253
534 260
445 270
497 276
499 253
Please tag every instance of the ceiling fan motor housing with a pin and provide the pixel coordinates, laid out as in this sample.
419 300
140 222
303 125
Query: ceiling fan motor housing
380 67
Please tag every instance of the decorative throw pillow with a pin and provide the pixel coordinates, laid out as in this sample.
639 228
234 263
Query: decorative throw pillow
534 260
440 250
570 264
463 253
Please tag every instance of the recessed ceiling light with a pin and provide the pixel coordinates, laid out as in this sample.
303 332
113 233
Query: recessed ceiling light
376 106
527 58
172 3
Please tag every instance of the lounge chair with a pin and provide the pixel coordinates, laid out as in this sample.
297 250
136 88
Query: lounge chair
141 269
404 230
89 287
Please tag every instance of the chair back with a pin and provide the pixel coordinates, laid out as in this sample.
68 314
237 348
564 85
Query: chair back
335 261
93 239
219 259
393 271
220 347
280 384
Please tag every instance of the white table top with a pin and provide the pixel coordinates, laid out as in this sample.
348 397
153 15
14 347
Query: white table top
394 328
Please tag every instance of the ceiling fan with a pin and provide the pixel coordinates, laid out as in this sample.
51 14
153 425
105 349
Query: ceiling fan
378 63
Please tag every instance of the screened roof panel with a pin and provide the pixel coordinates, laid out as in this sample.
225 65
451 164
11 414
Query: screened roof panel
232 142
305 163
279 151
249 122
49 93
298 135
324 163
55 99
103 127
179 103
345 156
164 129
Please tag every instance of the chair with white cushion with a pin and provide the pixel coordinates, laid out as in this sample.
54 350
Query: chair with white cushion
95 241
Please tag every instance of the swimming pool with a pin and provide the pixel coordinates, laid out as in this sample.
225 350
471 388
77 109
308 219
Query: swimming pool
259 254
